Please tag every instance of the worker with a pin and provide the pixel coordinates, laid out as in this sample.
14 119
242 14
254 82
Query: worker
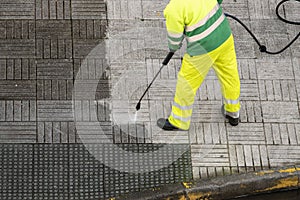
210 43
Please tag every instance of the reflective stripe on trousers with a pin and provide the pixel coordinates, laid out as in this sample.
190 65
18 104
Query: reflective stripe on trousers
191 75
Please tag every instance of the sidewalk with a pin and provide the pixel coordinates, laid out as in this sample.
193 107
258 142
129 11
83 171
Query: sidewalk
72 71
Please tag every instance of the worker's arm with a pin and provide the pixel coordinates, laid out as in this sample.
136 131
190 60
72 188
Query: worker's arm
220 1
175 27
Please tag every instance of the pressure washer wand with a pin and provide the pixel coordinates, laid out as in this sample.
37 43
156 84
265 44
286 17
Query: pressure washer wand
165 62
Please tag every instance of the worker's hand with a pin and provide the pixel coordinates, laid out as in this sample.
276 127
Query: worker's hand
178 47
172 50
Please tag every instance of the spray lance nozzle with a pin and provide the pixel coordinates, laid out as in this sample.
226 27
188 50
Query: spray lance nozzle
165 62
138 105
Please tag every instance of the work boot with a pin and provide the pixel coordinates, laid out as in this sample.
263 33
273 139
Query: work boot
232 121
166 125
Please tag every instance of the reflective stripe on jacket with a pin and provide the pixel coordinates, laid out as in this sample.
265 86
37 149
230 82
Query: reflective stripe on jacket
201 22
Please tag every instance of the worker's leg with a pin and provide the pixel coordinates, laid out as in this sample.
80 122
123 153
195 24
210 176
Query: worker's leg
191 75
227 72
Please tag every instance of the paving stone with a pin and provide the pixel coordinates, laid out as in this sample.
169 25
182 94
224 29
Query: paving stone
247 69
203 172
246 133
18 110
17 9
293 31
17 69
17 48
249 90
52 9
274 69
54 111
17 90
89 29
272 34
131 133
83 48
56 132
153 9
88 9
17 29
54 69
281 134
92 69
296 67
210 155
251 111
244 49
54 48
207 111
91 89
208 133
54 89
17 132
262 10
53 29
290 8
282 155
285 112
130 9
237 8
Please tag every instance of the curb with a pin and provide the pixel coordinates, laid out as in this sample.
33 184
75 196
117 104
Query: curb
226 187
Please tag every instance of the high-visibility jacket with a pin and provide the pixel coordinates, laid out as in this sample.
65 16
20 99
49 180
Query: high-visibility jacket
201 22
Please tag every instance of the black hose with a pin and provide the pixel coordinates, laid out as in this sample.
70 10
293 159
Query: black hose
263 48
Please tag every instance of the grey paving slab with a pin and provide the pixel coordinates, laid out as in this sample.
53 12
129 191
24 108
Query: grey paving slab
247 69
17 29
54 69
296 66
210 155
285 112
82 48
249 90
88 9
208 133
274 68
51 9
283 155
54 111
17 89
17 9
56 132
19 68
17 132
50 29
18 110
89 29
153 9
246 133
54 89
118 9
17 48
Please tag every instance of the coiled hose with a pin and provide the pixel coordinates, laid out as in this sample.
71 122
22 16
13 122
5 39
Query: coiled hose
263 48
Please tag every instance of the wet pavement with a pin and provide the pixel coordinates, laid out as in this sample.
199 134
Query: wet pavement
72 71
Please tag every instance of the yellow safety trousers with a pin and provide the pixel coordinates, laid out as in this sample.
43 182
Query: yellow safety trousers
191 75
